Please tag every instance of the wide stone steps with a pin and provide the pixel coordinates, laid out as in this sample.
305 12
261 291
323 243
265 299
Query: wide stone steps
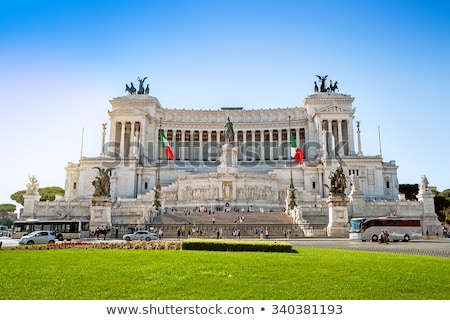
224 218
276 222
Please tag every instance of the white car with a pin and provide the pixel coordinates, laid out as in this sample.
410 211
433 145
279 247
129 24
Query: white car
38 237
140 235
4 233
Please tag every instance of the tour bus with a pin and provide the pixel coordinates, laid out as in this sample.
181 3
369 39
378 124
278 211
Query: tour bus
403 229
64 229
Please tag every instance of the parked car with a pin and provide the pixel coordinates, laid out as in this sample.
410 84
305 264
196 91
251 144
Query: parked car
140 235
38 237
4 233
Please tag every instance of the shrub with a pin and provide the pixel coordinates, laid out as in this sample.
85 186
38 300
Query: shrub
235 245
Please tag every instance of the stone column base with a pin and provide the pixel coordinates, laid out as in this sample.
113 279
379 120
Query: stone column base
100 210
337 232
338 216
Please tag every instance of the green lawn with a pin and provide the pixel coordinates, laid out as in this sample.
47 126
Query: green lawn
202 275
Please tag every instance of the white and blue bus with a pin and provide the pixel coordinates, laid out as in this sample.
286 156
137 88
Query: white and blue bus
400 229
64 229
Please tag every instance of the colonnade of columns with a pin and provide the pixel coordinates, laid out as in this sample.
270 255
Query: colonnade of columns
127 138
253 144
337 137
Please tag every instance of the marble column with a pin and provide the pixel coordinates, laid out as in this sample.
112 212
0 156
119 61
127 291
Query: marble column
280 145
261 147
270 144
253 147
351 141
329 140
182 143
244 145
200 142
122 139
340 143
209 145
132 140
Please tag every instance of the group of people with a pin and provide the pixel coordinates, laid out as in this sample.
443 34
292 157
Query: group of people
384 236
189 230
262 233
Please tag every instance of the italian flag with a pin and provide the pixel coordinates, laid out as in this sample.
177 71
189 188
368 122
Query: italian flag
166 146
296 153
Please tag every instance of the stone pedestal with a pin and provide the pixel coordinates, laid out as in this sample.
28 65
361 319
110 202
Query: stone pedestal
430 220
338 216
228 159
30 201
100 210
357 204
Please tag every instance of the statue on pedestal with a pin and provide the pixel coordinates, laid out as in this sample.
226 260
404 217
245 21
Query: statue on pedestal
229 131
423 184
338 182
33 185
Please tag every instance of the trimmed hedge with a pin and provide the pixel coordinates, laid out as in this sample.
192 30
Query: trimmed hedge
235 245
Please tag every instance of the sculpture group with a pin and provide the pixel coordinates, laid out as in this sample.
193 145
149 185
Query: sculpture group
132 90
338 182
101 183
32 186
330 88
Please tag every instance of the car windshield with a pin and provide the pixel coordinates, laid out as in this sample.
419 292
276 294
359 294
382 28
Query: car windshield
32 234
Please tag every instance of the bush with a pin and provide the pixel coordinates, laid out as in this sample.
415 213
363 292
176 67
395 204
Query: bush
234 245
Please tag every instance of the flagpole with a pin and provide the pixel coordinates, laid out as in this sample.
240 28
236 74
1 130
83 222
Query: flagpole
379 140
290 155
156 202
82 142
158 183
292 203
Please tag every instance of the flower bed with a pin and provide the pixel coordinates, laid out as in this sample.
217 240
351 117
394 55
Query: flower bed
137 245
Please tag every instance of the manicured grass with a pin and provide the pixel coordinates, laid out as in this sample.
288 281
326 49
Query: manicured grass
205 275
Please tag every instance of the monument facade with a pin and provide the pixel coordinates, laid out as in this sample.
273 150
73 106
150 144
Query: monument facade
231 158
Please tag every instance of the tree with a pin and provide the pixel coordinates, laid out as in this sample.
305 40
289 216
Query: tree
442 205
7 207
18 196
47 193
5 210
409 190
441 199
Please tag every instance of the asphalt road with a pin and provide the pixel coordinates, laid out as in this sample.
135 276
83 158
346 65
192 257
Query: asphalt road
431 247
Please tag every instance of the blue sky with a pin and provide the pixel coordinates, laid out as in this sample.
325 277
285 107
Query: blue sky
61 62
